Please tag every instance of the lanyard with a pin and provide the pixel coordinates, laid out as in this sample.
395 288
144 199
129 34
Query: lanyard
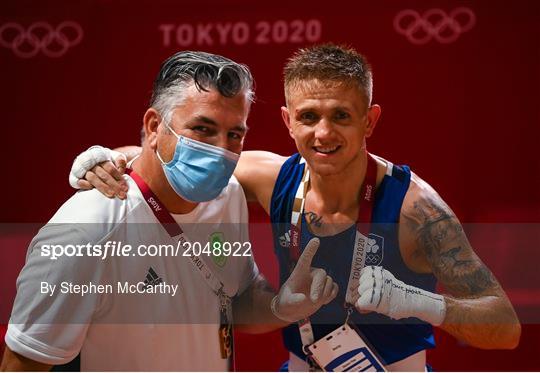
367 196
177 233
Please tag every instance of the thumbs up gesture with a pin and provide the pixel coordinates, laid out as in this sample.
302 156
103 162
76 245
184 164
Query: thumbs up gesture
306 289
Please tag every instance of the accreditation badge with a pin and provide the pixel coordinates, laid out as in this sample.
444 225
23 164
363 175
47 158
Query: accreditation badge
225 339
344 350
225 327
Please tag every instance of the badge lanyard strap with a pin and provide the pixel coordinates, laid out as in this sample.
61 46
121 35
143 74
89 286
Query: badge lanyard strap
367 196
176 232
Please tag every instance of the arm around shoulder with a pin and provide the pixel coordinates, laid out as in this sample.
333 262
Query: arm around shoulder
257 172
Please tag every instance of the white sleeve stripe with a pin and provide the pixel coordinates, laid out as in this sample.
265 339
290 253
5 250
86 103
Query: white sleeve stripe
36 350
389 168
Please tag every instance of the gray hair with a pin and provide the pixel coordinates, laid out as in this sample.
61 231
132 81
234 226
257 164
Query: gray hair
205 70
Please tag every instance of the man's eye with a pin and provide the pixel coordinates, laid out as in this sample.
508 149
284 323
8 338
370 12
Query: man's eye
201 129
235 136
308 117
340 115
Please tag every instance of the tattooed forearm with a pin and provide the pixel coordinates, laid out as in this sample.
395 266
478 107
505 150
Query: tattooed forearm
313 219
477 309
441 237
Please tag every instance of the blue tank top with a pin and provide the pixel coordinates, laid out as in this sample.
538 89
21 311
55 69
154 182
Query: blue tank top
393 340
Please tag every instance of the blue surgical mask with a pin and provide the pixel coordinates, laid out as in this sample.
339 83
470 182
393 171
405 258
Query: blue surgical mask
198 171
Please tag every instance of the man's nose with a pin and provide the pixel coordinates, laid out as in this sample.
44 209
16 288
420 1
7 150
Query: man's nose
323 129
223 141
220 141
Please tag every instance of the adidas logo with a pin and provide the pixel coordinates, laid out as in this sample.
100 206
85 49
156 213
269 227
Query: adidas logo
152 278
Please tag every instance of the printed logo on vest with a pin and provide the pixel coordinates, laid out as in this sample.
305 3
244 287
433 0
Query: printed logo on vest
375 250
152 278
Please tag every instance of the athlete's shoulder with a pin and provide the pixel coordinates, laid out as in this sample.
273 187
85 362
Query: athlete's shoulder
419 193
386 168
254 164
257 172
422 204
263 156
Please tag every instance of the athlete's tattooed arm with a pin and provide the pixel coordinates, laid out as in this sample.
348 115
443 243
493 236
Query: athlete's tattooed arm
478 311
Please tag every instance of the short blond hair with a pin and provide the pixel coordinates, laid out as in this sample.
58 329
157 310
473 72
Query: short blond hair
329 62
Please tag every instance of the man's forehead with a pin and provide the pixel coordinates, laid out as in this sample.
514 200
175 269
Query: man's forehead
197 112
202 99
310 84
312 90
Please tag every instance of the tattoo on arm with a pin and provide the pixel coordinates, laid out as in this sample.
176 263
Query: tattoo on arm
440 236
313 219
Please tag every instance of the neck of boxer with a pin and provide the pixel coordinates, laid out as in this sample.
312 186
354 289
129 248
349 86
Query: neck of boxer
150 170
339 192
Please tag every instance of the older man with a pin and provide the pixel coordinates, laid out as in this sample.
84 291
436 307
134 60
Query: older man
146 283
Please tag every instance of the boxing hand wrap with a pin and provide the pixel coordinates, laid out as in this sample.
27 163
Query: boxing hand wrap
87 160
381 292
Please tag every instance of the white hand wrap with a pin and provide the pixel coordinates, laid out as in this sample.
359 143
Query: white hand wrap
381 292
86 161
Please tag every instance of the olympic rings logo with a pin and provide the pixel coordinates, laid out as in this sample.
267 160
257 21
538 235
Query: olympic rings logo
40 37
434 24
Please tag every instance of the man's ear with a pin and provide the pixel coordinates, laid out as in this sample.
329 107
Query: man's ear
287 119
151 121
373 114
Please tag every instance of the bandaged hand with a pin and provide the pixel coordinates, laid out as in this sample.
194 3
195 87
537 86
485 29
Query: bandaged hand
381 292
101 168
306 289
